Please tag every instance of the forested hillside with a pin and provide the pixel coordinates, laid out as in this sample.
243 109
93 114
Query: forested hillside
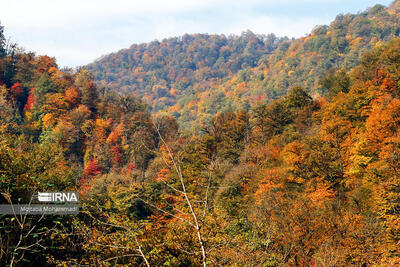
162 72
195 76
296 181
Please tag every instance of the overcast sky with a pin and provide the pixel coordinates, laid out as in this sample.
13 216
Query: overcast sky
77 32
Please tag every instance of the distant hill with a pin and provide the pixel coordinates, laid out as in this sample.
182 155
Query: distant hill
162 72
195 76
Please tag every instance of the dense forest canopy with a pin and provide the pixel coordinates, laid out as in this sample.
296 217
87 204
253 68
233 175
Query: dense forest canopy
195 76
298 179
161 71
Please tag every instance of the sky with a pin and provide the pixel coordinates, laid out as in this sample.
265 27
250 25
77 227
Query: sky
77 32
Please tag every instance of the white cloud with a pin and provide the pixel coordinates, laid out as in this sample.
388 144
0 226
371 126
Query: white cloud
56 13
52 13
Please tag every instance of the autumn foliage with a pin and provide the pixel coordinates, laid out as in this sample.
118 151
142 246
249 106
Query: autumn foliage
295 176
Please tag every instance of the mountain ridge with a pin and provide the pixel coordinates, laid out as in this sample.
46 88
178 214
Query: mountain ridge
258 68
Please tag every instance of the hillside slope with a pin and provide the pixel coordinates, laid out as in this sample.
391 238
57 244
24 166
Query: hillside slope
195 76
163 72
